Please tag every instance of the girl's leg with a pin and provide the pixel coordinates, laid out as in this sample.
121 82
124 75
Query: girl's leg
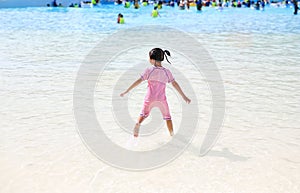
137 126
141 119
170 126
145 112
164 108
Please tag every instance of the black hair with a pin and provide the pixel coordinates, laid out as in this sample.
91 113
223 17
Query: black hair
159 54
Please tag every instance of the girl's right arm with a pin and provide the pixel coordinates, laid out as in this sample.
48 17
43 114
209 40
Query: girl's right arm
137 82
177 87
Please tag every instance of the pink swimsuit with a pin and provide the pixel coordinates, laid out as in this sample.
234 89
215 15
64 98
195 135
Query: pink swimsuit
156 97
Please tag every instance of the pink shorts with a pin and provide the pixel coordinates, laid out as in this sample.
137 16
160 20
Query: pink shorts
162 105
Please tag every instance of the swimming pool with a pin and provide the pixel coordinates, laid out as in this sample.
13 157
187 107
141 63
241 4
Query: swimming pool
102 19
257 54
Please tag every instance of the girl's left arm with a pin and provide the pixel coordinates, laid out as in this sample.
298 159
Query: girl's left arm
137 82
177 87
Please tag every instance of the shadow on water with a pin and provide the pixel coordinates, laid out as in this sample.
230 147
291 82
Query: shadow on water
226 153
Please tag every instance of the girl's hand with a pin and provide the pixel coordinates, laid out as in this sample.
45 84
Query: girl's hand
187 100
122 94
137 82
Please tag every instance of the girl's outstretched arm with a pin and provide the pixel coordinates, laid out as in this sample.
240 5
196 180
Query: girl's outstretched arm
177 87
137 82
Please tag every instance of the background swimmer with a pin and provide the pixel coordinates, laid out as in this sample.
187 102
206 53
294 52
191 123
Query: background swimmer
155 13
120 19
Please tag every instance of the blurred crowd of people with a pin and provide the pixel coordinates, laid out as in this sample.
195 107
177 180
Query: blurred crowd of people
186 4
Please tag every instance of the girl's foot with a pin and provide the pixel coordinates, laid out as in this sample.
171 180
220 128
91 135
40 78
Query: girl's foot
171 131
136 130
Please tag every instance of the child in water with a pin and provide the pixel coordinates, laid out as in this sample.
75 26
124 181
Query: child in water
157 77
127 4
120 19
155 12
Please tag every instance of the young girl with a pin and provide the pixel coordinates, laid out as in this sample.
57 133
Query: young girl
157 77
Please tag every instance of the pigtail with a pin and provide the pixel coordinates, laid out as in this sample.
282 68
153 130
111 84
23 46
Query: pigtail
167 53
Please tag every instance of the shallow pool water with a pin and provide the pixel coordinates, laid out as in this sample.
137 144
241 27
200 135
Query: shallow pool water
103 18
256 52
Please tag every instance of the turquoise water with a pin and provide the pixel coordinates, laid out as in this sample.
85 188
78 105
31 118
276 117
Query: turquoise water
47 30
103 18
257 54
